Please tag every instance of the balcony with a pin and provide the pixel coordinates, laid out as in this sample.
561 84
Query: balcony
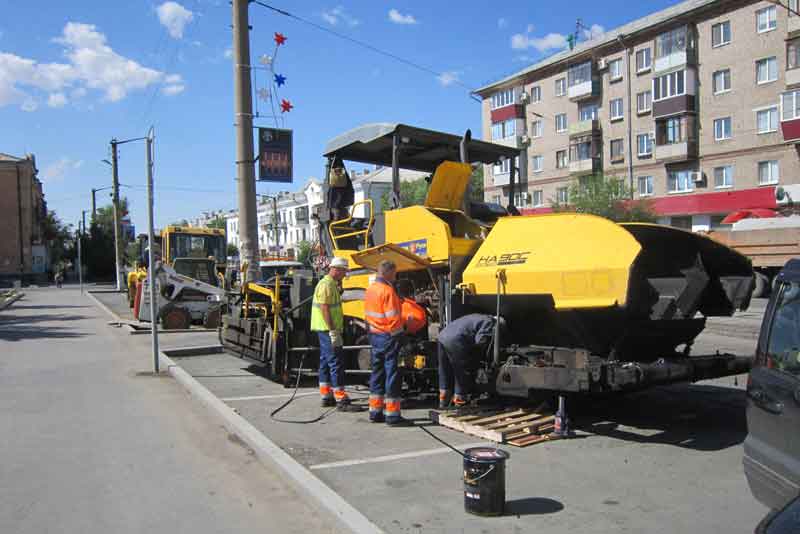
793 24
673 106
588 126
584 166
503 179
676 151
791 130
584 90
793 75
512 141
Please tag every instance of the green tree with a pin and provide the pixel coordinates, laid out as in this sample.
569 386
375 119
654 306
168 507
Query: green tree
218 222
60 240
606 196
304 252
98 246
231 250
476 184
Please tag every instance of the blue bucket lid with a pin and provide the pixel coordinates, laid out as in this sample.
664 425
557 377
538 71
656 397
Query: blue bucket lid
486 454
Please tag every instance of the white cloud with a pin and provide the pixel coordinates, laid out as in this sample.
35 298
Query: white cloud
91 64
172 90
174 17
228 53
60 168
502 23
338 14
551 41
530 28
449 77
593 32
56 100
398 18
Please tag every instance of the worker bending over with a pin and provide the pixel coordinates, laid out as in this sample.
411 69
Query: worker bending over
327 320
383 311
462 345
414 316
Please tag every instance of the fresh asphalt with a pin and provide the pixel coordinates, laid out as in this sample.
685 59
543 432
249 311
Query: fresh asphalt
92 442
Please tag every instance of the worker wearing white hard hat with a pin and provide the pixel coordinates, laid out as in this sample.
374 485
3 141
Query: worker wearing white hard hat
327 320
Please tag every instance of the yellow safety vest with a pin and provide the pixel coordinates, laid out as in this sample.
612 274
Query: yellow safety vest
327 292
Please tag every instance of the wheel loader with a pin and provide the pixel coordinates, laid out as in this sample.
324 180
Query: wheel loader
591 306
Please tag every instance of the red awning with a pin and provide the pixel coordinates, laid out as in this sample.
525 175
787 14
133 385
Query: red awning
716 202
756 213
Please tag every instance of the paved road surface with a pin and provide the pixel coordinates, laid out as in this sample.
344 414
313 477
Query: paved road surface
89 444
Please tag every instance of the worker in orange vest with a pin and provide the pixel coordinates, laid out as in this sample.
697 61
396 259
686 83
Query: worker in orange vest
383 311
413 314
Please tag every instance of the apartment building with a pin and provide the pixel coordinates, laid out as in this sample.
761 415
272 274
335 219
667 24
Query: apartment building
23 248
696 106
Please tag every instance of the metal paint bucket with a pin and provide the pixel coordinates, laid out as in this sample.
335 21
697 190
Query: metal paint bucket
485 481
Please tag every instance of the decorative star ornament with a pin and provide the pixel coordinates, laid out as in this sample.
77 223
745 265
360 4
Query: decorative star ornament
279 38
286 106
264 94
266 60
280 79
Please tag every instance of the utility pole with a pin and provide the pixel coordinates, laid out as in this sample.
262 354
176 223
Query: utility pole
83 218
151 239
245 170
115 203
80 260
94 206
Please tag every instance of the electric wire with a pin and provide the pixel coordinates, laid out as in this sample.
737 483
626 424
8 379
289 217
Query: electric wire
368 46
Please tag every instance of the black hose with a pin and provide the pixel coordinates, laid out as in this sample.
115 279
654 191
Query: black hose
443 442
322 416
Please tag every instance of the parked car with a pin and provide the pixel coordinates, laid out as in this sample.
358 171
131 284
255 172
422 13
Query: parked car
772 447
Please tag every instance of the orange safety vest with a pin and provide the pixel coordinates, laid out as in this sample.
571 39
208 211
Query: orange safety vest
414 316
383 308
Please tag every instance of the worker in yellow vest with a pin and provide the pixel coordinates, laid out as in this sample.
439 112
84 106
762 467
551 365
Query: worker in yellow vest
327 320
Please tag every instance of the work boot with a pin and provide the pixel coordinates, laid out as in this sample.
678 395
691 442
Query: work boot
376 417
398 421
345 405
328 402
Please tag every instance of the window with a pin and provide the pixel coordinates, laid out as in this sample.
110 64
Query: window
783 344
615 69
768 172
536 129
723 176
617 150
578 74
669 85
521 199
767 120
643 60
793 54
587 112
537 163
671 42
536 93
679 181
721 33
503 129
721 81
645 186
561 87
766 19
671 131
581 148
722 128
790 105
538 198
496 199
616 109
766 70
562 195
503 98
643 103
644 143
503 167
561 159
561 123
794 6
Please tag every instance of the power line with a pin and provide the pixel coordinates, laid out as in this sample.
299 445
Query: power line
368 46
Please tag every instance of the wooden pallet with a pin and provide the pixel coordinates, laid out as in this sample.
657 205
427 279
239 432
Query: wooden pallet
515 426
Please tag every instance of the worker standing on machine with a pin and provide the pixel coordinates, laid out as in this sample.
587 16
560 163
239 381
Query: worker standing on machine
383 311
462 344
327 320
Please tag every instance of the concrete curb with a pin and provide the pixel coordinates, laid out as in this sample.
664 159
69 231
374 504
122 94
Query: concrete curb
105 308
270 454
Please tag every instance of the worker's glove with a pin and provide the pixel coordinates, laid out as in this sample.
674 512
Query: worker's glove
336 338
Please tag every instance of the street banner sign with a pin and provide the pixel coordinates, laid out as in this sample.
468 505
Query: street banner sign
274 155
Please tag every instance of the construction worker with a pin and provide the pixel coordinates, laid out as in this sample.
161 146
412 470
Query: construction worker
413 314
327 320
383 311
462 345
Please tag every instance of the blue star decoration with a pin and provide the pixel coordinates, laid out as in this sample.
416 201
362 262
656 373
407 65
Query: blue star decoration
280 79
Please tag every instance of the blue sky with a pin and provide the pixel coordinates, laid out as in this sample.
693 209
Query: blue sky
75 74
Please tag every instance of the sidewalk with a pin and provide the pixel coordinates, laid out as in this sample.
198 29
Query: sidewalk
93 444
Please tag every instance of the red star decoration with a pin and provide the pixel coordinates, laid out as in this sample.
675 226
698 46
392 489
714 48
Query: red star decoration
286 106
279 38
